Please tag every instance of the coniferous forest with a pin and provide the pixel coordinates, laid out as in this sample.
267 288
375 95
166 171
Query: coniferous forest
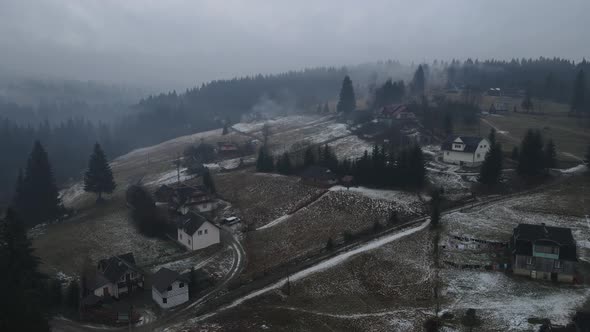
161 117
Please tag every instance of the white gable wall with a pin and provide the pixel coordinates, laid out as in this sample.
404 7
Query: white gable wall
175 296
467 158
113 290
209 235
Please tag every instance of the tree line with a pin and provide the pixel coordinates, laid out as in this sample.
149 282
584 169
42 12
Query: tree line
382 167
556 79
36 198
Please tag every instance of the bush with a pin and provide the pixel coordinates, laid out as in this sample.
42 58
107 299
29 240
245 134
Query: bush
330 244
348 236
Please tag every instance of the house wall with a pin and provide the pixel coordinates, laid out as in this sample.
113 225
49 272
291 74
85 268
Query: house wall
197 241
113 290
178 295
456 157
543 268
469 159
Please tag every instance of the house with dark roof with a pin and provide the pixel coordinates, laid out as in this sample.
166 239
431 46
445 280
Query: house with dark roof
465 150
116 276
169 288
391 114
544 252
318 176
195 232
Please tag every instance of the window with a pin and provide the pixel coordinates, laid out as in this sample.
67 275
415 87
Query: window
205 231
169 288
189 241
164 300
557 264
530 261
181 285
457 146
200 233
478 155
448 153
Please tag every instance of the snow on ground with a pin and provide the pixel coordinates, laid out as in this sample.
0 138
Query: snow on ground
495 222
406 200
327 264
432 150
171 177
275 222
72 194
350 147
580 169
230 164
506 303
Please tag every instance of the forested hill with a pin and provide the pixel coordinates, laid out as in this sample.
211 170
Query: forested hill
545 78
31 101
170 115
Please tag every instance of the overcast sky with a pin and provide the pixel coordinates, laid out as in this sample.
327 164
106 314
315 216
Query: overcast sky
179 43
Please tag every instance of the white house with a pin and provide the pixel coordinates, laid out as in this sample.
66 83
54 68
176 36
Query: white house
116 276
169 288
195 232
465 150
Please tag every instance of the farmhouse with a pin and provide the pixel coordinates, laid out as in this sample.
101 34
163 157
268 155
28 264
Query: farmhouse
116 276
195 232
169 288
184 198
318 176
465 150
394 113
544 252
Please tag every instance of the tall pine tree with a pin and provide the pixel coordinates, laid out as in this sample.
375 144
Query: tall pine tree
99 176
579 102
491 169
23 301
531 160
208 181
347 101
36 197
419 81
550 155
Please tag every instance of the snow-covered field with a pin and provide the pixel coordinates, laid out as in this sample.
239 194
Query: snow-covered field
350 147
406 201
331 215
505 303
171 177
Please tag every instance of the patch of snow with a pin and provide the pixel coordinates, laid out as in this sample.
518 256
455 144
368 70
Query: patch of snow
575 170
73 193
171 177
406 200
275 222
350 147
329 263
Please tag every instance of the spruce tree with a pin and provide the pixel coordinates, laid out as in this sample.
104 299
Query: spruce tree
225 129
579 102
208 181
308 157
417 167
492 137
99 176
531 159
23 304
37 197
260 161
491 169
347 101
419 81
550 155
284 164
